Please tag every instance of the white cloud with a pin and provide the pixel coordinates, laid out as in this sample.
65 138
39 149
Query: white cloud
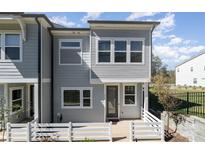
62 20
174 40
166 25
91 16
176 54
137 15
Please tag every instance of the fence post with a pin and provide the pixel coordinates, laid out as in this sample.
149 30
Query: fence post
131 131
8 131
70 132
110 128
187 99
28 132
162 130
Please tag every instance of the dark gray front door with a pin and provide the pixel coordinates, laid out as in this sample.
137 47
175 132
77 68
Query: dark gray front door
112 101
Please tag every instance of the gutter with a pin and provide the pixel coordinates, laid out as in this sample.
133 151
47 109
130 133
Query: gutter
52 77
39 69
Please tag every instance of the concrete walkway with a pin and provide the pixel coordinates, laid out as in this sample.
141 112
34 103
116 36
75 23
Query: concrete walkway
121 130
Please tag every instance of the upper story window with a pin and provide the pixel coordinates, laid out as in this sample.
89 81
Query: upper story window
70 52
124 51
191 69
120 51
177 69
136 49
104 51
11 47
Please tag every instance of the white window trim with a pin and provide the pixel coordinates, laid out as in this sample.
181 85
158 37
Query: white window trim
70 40
135 85
81 97
128 51
3 47
110 51
11 101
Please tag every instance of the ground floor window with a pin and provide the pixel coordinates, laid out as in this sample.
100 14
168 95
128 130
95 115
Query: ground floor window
16 98
129 92
76 97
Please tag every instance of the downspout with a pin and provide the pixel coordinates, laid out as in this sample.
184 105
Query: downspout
52 78
151 47
39 69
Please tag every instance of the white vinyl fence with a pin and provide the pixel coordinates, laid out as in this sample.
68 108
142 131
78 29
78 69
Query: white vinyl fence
150 128
68 132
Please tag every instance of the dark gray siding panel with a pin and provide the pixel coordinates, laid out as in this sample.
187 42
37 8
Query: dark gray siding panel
46 53
118 71
46 102
1 91
46 75
28 68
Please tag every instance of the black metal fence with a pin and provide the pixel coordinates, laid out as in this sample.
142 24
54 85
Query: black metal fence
189 103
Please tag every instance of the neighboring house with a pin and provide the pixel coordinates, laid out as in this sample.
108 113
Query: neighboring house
59 74
191 72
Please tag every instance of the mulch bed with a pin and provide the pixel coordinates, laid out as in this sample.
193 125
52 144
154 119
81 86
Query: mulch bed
175 137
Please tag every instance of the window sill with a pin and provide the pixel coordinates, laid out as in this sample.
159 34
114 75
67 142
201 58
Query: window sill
9 61
66 107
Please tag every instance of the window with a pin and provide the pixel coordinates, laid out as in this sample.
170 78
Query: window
129 95
120 51
11 49
115 50
191 69
70 52
16 97
86 98
76 98
136 49
177 69
104 51
195 81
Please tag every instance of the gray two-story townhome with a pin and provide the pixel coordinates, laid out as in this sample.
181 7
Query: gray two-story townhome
60 74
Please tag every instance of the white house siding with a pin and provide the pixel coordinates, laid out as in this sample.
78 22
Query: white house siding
184 75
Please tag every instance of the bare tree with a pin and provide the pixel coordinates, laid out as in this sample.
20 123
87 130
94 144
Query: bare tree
4 115
165 96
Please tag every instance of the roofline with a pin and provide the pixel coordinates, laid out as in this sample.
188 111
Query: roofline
40 16
202 52
122 22
69 29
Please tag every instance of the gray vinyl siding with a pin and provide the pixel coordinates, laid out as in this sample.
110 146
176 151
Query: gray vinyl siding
131 111
28 68
46 102
23 114
120 71
95 114
46 53
46 74
1 91
76 76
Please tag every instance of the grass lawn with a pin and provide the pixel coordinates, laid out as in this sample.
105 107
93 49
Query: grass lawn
195 104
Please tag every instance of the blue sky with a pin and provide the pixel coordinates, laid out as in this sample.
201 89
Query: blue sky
178 37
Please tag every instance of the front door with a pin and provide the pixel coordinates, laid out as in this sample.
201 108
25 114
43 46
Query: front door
112 101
